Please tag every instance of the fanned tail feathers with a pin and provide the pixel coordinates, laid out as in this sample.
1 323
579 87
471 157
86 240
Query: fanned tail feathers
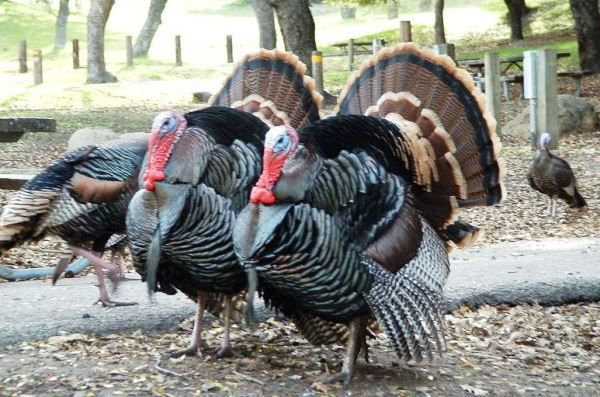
456 153
271 84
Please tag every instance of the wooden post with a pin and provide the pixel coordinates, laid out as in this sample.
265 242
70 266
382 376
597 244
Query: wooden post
492 86
75 54
23 56
351 54
178 61
129 50
405 32
317 70
445 49
38 77
547 95
229 49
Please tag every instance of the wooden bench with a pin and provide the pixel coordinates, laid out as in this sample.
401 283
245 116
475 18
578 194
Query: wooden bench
13 179
577 76
13 128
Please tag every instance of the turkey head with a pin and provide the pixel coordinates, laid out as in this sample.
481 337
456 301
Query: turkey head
288 168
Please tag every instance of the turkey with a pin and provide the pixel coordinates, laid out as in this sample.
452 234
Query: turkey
200 169
351 217
552 176
82 198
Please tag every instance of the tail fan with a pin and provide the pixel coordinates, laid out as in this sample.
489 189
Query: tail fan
271 84
443 116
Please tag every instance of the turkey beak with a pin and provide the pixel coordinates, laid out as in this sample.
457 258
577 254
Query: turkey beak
250 292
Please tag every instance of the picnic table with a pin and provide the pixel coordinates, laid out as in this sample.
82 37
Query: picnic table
507 63
13 128
359 47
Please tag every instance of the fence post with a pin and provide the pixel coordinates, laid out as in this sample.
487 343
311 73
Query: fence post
23 56
351 54
547 96
178 61
75 53
445 49
492 86
37 67
317 70
129 50
376 46
229 49
405 32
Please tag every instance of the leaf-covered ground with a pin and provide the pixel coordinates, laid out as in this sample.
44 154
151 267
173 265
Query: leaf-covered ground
526 350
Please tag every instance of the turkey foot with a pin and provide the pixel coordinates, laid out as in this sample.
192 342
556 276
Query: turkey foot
193 350
107 302
356 341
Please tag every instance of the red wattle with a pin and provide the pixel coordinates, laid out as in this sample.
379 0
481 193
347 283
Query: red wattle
153 176
261 195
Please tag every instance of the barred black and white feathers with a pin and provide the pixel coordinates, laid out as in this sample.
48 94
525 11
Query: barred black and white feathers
105 173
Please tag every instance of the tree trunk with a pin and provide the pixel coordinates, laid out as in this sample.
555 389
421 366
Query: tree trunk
297 27
60 36
97 17
266 24
438 27
144 39
392 9
517 9
587 21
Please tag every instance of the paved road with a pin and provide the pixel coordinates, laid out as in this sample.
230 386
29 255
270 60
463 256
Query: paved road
549 271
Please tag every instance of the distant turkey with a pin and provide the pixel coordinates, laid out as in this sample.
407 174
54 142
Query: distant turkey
52 203
200 169
552 176
351 216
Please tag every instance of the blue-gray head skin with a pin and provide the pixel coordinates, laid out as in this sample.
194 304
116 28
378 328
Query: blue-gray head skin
545 141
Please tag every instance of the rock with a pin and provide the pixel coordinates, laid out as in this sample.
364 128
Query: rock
201 96
575 114
90 135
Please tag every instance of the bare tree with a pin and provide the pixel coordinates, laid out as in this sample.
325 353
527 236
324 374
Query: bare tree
60 36
438 27
517 9
392 9
96 22
587 21
153 20
266 23
297 27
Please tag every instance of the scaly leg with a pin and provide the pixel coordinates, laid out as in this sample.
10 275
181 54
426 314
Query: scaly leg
553 207
99 264
226 350
358 331
196 343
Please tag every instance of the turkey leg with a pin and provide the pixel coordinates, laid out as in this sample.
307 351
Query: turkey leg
356 340
196 343
226 350
99 264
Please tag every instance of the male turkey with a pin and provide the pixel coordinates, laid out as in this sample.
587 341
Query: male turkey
200 169
82 198
349 218
553 176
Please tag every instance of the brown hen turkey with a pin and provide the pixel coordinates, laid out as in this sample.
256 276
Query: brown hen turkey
553 176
